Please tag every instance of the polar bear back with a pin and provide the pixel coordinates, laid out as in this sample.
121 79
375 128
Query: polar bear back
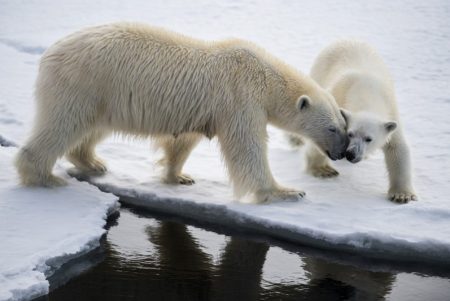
357 76
348 55
148 80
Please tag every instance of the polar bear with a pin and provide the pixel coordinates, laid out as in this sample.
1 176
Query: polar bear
139 80
360 82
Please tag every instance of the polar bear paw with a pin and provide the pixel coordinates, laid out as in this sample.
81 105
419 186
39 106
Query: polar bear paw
92 166
402 197
280 195
325 171
49 181
95 166
182 179
54 181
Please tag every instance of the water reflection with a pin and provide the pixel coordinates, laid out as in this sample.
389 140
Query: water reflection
238 275
239 272
151 259
183 268
360 284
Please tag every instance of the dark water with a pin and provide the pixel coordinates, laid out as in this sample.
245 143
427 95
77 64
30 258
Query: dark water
149 257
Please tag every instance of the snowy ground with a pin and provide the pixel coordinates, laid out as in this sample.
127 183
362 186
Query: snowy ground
40 229
349 212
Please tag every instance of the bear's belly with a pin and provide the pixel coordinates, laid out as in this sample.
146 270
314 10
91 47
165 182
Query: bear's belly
156 122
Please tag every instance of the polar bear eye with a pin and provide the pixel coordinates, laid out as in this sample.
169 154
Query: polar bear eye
332 129
368 139
350 135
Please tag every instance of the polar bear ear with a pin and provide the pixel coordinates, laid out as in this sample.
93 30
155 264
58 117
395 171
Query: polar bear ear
390 126
303 102
346 114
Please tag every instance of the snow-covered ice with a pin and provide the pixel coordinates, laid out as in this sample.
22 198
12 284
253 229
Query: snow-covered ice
349 212
40 229
335 214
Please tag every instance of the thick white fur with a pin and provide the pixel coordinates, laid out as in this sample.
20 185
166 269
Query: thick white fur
360 82
139 80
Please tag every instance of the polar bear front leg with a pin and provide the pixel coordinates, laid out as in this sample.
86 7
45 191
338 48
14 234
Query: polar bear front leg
398 163
245 153
318 164
176 152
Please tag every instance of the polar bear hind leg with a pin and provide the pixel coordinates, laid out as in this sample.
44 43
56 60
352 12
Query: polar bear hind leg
176 151
83 155
36 159
56 130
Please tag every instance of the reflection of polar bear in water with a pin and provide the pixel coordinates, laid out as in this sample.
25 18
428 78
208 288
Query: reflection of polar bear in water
357 77
149 82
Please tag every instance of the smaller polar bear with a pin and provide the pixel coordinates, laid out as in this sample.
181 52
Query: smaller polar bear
357 77
139 80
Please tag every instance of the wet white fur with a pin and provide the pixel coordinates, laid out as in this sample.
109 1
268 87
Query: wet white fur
139 80
360 82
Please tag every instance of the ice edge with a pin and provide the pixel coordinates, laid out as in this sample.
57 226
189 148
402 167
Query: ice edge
363 244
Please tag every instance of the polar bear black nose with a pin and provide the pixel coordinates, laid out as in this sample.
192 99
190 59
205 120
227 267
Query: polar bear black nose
350 156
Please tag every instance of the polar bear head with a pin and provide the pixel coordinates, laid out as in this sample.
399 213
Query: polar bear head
317 117
366 133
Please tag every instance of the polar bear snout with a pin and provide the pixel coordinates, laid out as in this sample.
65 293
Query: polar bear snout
339 146
353 155
333 156
350 156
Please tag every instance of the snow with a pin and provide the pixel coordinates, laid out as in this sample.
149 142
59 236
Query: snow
347 213
40 229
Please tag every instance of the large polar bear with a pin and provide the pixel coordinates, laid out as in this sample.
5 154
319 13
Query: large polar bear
139 80
360 82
